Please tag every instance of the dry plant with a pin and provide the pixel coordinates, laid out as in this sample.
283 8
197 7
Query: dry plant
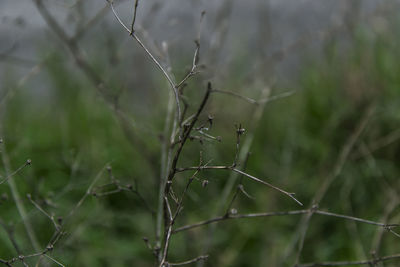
180 127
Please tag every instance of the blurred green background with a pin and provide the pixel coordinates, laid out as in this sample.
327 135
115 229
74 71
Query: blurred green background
58 120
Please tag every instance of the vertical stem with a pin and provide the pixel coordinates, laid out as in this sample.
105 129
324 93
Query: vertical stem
165 162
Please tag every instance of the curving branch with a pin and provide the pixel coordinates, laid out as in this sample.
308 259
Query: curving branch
156 62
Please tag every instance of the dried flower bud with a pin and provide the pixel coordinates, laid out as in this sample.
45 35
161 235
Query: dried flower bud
210 120
240 131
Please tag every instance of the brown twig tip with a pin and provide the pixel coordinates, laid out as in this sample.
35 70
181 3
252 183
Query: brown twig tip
28 162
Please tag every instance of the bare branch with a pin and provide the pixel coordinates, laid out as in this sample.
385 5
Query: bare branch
283 213
253 101
291 195
238 216
168 233
158 64
200 258
21 258
344 263
17 199
54 260
28 162
51 217
187 133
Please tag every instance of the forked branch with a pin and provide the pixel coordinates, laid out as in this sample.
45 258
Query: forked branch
231 168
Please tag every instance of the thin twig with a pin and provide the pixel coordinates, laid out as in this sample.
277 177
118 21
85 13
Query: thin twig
156 62
23 257
200 258
179 207
54 260
349 263
173 169
88 191
237 216
28 162
51 218
253 101
193 68
18 202
134 15
282 213
239 188
169 219
168 234
291 195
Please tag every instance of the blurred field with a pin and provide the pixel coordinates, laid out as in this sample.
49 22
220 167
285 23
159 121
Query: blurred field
59 121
